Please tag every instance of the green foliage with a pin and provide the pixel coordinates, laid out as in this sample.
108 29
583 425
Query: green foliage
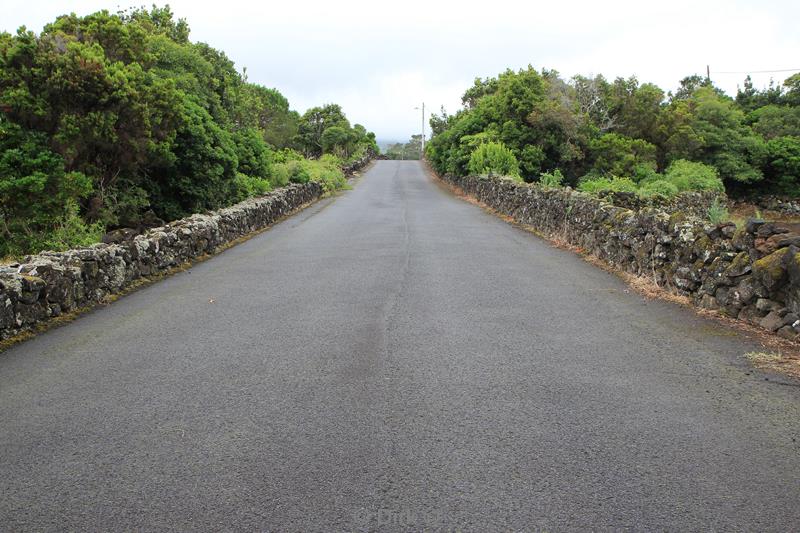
681 176
410 150
326 130
593 127
718 212
335 140
108 116
267 111
494 159
514 109
551 179
783 164
658 187
618 155
775 121
253 155
38 198
250 186
327 170
602 184
710 129
691 176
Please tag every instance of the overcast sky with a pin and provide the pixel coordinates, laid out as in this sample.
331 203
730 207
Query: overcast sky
379 60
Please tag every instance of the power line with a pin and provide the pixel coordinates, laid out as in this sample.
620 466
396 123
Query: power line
759 71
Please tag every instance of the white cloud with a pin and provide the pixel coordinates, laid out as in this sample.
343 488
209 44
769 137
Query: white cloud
380 60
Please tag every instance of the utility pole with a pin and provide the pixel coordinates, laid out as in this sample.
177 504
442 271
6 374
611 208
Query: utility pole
422 155
708 73
422 152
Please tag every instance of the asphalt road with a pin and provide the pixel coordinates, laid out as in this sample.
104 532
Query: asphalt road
394 359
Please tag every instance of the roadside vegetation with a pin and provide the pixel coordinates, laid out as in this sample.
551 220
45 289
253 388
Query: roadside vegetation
410 150
118 120
598 135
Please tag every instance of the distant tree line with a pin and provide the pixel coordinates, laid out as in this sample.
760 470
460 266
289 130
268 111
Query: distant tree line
109 120
624 135
410 150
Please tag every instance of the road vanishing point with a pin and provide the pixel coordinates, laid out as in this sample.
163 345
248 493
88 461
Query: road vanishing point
394 359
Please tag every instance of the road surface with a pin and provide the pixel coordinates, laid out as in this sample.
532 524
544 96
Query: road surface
394 359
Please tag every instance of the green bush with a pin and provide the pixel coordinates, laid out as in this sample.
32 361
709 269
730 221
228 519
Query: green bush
68 231
38 199
327 170
249 186
151 122
613 184
658 187
299 171
280 175
551 179
494 159
783 157
618 155
692 176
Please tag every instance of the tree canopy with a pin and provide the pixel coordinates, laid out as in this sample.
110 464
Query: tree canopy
111 118
591 128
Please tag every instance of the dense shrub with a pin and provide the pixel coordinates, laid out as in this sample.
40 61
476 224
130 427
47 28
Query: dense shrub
249 186
658 187
692 176
109 117
38 198
493 159
783 164
327 170
615 184
594 127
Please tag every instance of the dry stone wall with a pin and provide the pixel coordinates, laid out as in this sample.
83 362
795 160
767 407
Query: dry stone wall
49 284
787 206
751 273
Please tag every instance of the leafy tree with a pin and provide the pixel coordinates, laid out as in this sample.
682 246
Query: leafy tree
710 129
121 114
622 156
336 140
783 164
410 150
253 155
792 94
772 121
636 108
593 96
749 98
590 128
267 111
201 149
689 85
313 124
